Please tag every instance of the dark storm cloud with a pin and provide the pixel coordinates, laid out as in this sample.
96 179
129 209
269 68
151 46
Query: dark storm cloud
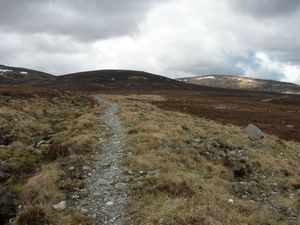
266 8
80 19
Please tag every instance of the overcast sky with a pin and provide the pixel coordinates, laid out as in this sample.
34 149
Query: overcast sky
258 38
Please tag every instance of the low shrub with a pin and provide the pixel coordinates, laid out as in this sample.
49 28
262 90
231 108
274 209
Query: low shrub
33 215
55 151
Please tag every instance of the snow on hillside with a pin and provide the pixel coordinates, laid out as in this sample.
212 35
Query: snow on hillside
208 77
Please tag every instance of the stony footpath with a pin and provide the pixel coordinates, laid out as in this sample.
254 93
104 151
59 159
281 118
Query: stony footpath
105 196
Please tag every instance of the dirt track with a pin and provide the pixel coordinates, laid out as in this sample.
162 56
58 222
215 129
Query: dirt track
107 199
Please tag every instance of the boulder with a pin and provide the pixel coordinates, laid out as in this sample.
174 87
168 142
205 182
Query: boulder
254 132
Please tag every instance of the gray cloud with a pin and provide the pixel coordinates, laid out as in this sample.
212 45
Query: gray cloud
266 8
169 37
80 19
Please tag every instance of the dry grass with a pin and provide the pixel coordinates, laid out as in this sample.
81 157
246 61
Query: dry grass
190 165
43 187
68 125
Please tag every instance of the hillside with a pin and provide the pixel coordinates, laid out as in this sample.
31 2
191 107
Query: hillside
244 83
175 157
114 80
16 75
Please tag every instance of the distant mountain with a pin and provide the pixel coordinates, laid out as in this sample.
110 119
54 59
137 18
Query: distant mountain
94 81
115 80
244 83
137 81
16 75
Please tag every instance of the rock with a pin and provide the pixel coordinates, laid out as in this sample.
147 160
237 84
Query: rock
38 144
129 172
86 168
75 197
121 186
240 171
142 173
84 210
44 145
5 137
103 182
231 201
60 206
109 203
4 176
254 132
161 221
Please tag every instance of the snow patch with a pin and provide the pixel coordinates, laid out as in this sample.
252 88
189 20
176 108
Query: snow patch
208 77
5 70
23 72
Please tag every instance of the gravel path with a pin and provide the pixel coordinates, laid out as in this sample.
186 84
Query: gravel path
106 193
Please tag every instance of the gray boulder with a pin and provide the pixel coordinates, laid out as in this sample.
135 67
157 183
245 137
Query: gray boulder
254 132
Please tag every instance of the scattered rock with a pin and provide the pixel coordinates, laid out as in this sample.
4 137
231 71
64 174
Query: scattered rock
254 132
102 197
60 206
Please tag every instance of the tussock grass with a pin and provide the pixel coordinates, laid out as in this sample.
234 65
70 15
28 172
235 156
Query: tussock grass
190 164
68 125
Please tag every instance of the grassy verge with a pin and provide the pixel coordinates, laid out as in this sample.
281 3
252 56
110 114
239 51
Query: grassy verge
189 170
44 134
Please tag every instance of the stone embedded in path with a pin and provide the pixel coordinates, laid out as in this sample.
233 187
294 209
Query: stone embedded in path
121 186
84 210
254 132
109 203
